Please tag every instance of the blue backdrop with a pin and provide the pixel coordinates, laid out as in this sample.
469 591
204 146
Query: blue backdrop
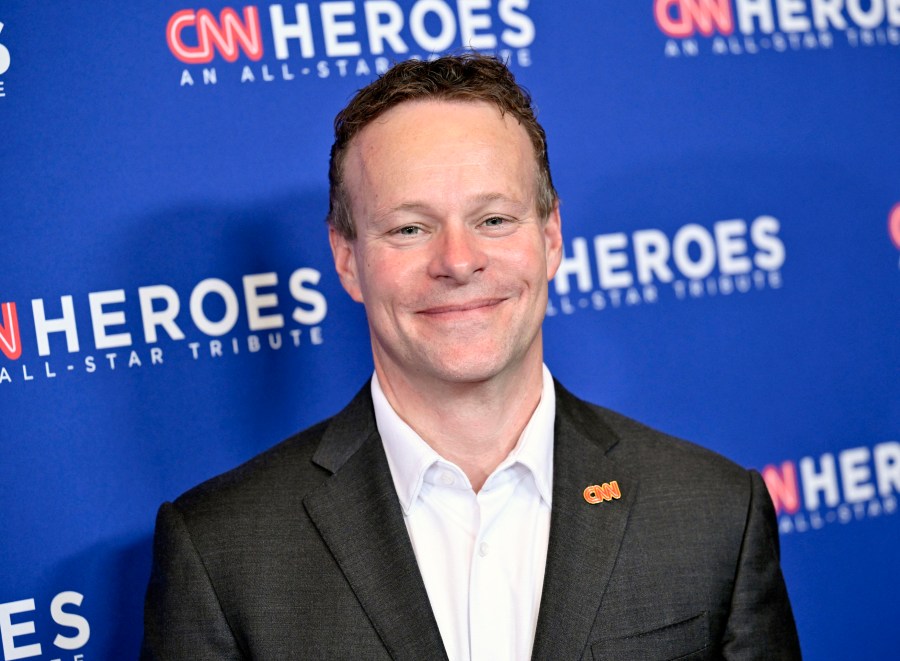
729 173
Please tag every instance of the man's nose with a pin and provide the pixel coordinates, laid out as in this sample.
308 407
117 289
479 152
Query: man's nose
458 254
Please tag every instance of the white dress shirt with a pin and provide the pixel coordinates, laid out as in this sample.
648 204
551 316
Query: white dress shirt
481 555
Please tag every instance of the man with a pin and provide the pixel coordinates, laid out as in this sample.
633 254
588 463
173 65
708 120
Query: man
464 505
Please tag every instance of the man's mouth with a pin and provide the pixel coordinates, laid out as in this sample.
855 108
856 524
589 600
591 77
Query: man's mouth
459 308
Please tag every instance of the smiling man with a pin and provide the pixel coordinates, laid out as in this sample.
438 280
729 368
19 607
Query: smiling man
464 505
451 258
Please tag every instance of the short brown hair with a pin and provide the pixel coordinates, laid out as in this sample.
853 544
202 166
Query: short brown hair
467 77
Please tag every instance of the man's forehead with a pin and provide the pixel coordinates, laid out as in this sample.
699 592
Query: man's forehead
440 154
421 116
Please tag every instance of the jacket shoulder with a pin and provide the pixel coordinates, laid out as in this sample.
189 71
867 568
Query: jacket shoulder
278 477
656 447
273 484
648 452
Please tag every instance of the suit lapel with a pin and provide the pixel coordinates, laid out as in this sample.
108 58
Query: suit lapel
584 538
359 517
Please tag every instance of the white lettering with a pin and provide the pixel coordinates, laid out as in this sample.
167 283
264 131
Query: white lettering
827 13
252 343
813 482
445 37
651 252
311 297
747 10
334 29
229 318
301 30
893 14
389 32
791 17
704 264
770 249
9 631
43 326
470 23
887 467
731 246
100 320
256 301
855 475
608 260
71 620
578 265
870 18
165 317
521 33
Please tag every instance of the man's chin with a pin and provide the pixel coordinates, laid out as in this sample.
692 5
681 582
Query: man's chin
467 369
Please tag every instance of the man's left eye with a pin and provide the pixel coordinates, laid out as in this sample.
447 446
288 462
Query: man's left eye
494 221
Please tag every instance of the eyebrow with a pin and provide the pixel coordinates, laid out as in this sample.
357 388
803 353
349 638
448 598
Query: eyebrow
480 200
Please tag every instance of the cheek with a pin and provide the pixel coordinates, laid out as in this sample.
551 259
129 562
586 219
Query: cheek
384 281
528 262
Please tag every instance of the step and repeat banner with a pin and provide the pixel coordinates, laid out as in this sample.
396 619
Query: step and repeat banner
730 182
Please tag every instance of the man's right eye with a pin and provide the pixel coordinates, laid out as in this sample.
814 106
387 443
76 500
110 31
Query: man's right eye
409 230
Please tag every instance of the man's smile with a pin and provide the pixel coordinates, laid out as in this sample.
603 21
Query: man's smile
461 309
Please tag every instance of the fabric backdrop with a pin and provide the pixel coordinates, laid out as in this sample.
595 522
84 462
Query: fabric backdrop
730 181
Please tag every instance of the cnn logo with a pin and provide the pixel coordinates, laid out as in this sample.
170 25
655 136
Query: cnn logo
684 18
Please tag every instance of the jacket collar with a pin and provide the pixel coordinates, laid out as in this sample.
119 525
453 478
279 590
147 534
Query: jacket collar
357 513
584 538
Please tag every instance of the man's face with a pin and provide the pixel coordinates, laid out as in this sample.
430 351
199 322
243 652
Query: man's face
451 259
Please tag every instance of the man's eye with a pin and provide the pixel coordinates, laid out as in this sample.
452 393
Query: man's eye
409 230
494 221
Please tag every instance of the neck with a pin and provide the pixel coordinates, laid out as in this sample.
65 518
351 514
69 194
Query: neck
473 424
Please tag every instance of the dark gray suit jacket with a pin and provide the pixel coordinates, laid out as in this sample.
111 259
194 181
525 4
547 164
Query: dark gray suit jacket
302 553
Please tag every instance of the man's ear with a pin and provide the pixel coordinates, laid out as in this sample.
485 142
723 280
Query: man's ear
345 263
553 241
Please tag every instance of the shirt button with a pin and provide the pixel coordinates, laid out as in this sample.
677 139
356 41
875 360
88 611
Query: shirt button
483 549
447 478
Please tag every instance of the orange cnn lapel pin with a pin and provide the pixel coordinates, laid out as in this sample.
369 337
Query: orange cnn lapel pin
597 493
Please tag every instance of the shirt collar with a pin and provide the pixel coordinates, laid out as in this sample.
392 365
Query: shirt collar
409 456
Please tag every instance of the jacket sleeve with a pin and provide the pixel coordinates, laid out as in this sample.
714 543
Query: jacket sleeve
760 622
182 615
